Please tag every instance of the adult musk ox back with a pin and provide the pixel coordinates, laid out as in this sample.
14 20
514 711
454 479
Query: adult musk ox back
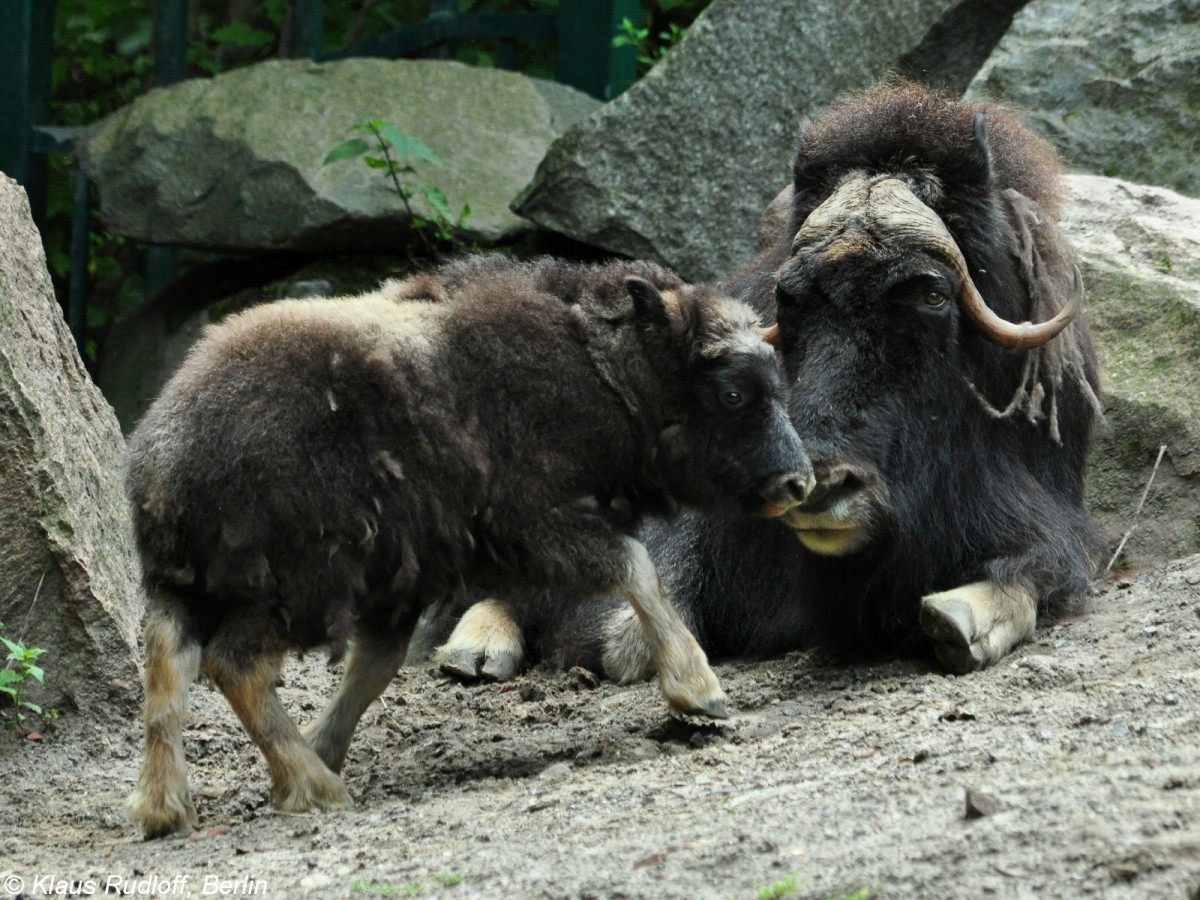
948 434
319 472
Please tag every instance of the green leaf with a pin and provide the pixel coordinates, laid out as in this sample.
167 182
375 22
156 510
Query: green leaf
375 162
347 150
15 651
37 709
407 146
437 201
7 677
241 34
37 672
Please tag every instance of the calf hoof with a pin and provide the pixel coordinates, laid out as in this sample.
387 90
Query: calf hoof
486 644
318 790
950 622
698 695
166 815
713 707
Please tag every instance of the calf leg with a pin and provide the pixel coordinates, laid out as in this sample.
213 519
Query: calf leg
244 666
628 656
975 625
374 659
687 682
161 801
486 642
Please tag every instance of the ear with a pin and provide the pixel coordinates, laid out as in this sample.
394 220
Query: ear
770 335
980 158
648 303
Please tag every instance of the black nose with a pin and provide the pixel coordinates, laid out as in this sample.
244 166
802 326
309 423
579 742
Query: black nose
835 484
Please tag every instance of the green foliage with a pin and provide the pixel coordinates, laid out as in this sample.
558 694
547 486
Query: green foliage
782 888
13 679
394 153
649 50
412 889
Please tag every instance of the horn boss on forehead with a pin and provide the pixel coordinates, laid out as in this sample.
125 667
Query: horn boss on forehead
886 210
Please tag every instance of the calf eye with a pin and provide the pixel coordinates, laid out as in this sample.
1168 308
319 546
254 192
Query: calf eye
732 399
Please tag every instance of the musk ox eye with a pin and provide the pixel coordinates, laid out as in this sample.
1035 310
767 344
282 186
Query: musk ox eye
732 399
935 299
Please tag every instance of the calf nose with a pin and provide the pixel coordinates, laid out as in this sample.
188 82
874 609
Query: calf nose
789 489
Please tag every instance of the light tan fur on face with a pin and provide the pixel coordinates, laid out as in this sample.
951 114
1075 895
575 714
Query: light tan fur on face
485 641
687 682
161 801
977 624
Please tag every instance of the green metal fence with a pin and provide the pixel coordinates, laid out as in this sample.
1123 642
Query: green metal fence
586 59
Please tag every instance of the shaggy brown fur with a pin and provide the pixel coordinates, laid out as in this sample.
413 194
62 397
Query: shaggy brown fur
320 471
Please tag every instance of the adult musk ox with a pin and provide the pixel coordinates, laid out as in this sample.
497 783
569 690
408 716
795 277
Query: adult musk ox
320 471
947 432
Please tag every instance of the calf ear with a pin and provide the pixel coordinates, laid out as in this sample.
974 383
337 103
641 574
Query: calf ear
648 303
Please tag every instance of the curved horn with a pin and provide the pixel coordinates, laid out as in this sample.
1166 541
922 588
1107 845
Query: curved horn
894 210
886 209
1013 335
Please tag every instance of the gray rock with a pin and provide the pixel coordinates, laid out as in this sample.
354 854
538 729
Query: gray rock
235 162
65 535
1140 253
981 802
678 168
1113 85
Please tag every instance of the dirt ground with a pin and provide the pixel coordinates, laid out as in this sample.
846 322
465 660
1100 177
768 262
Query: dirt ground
1081 754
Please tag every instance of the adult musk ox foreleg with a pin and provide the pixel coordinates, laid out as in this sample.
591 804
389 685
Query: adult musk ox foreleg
243 659
975 625
485 643
375 656
161 801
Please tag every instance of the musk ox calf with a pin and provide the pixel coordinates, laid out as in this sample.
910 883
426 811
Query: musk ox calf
318 472
947 432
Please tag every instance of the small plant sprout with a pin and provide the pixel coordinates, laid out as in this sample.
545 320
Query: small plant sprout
394 154
19 667
785 887
648 52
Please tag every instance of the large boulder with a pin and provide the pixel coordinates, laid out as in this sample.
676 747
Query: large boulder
235 162
69 578
1113 85
678 168
1140 252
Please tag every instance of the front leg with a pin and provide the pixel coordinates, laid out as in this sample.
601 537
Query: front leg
684 676
976 625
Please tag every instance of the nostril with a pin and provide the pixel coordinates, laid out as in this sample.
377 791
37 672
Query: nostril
798 488
851 482
835 484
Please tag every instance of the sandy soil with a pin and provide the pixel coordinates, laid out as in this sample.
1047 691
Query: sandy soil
1081 756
